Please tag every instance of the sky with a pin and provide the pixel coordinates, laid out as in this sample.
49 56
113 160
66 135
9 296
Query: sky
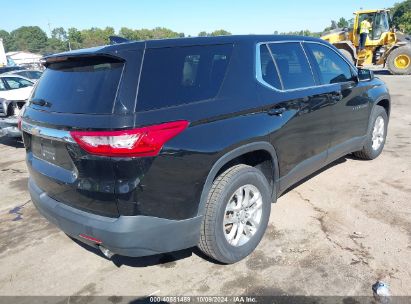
188 16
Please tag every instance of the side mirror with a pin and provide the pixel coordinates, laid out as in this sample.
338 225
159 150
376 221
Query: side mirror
365 75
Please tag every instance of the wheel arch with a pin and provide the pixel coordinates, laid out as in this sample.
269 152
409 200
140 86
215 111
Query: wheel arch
230 158
385 103
394 47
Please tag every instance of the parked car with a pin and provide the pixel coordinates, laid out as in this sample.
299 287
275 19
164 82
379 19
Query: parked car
8 69
9 124
147 147
14 91
33 75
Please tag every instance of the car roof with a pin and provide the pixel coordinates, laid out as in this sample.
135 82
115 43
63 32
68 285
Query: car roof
25 70
176 42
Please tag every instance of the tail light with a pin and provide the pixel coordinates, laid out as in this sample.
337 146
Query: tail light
146 141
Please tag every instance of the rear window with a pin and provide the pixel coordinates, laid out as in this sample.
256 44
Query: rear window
174 76
87 85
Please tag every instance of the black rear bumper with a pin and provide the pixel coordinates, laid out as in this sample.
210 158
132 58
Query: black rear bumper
126 235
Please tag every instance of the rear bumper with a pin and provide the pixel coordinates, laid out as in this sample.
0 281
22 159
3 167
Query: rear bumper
126 235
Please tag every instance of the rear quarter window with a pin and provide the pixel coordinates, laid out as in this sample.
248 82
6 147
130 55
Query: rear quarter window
180 75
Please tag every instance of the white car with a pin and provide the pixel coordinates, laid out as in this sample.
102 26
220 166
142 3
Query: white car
32 75
14 91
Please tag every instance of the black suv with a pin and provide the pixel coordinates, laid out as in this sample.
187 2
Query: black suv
154 146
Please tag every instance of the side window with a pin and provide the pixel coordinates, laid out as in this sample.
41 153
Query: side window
17 83
24 82
332 67
268 70
294 69
13 83
181 75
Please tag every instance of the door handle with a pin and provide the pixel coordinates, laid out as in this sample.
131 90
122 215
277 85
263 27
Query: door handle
336 97
276 111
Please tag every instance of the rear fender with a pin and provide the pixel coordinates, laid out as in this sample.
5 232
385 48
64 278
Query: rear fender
232 155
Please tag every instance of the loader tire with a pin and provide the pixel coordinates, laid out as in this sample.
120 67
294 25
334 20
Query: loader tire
399 61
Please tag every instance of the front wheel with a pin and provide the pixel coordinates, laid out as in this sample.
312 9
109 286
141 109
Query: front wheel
376 135
236 214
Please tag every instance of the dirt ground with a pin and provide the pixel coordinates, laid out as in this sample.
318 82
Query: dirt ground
337 233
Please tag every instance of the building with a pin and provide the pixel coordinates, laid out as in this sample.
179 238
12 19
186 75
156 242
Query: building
25 58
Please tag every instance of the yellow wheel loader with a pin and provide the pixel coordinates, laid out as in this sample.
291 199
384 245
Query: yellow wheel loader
384 45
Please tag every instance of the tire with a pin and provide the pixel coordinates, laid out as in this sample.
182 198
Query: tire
213 240
369 152
347 55
392 64
11 110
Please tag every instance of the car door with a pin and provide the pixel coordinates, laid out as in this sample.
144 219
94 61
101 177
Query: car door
350 103
19 88
300 110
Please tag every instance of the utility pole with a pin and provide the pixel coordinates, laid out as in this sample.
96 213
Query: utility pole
49 24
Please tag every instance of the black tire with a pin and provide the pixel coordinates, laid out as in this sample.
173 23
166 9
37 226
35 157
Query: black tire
347 55
403 50
213 241
367 151
11 110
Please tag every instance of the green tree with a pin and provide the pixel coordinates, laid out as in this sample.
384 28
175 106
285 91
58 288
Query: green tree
75 39
7 40
333 26
96 36
401 16
214 33
55 45
144 34
203 34
127 33
58 41
29 38
342 23
59 33
162 32
220 32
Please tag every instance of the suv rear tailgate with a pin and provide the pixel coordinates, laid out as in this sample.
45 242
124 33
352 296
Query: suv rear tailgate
77 93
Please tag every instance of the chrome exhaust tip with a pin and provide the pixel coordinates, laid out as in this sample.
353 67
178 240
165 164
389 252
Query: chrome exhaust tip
107 253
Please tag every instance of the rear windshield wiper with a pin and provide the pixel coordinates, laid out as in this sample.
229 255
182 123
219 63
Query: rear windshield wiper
40 102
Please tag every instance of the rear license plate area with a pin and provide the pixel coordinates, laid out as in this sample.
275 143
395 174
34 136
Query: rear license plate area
51 151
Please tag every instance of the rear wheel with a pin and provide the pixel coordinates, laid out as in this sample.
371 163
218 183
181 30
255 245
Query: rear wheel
399 61
236 214
376 135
